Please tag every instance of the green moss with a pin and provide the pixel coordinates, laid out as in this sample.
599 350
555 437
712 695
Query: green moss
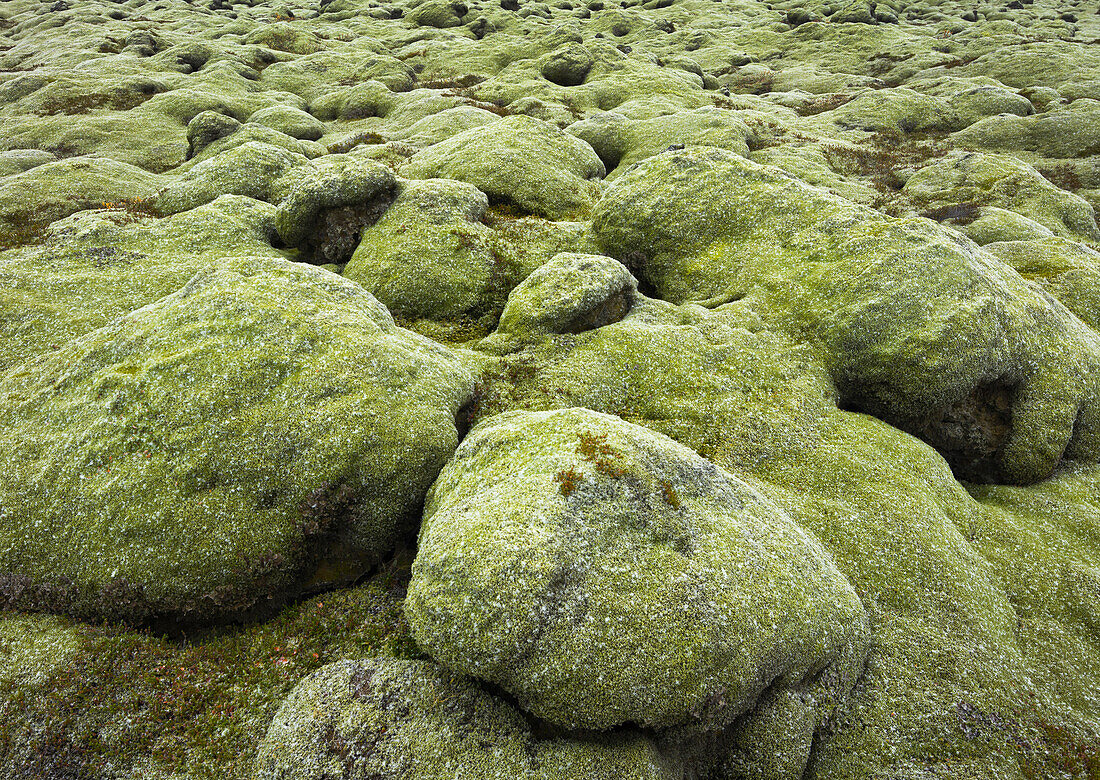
155 498
30 201
98 265
518 160
120 702
551 562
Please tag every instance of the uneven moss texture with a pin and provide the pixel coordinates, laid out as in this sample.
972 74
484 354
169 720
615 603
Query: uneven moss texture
521 161
800 189
568 294
249 169
917 325
265 429
107 702
386 717
97 265
949 188
324 208
603 574
30 201
950 684
429 256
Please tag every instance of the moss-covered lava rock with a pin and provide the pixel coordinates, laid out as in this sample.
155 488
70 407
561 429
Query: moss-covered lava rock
265 430
569 294
604 574
388 718
876 341
917 325
521 161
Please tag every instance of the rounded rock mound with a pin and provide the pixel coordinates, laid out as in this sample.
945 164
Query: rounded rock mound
264 431
917 325
388 718
519 161
569 293
603 575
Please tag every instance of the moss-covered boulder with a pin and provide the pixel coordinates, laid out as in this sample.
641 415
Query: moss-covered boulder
1068 270
620 142
284 36
955 185
990 224
327 205
898 109
246 134
442 125
142 138
292 121
917 325
803 344
520 161
367 99
139 469
100 264
1072 131
906 534
250 169
104 700
387 718
16 161
567 66
207 127
569 294
986 100
604 574
438 13
429 256
31 200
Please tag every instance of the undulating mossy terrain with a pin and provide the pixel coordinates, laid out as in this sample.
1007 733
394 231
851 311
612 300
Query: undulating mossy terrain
587 389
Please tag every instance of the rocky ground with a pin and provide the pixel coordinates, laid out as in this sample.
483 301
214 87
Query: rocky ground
507 389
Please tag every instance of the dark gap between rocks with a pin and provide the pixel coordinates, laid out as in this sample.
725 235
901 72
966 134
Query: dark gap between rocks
337 231
970 435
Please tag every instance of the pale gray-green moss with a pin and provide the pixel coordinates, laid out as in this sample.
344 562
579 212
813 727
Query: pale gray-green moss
1067 270
326 205
250 170
31 200
429 256
620 142
949 683
100 264
520 161
959 182
603 574
976 670
389 718
112 703
570 293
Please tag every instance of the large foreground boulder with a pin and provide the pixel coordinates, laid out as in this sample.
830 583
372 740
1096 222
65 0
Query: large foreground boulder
604 575
264 430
